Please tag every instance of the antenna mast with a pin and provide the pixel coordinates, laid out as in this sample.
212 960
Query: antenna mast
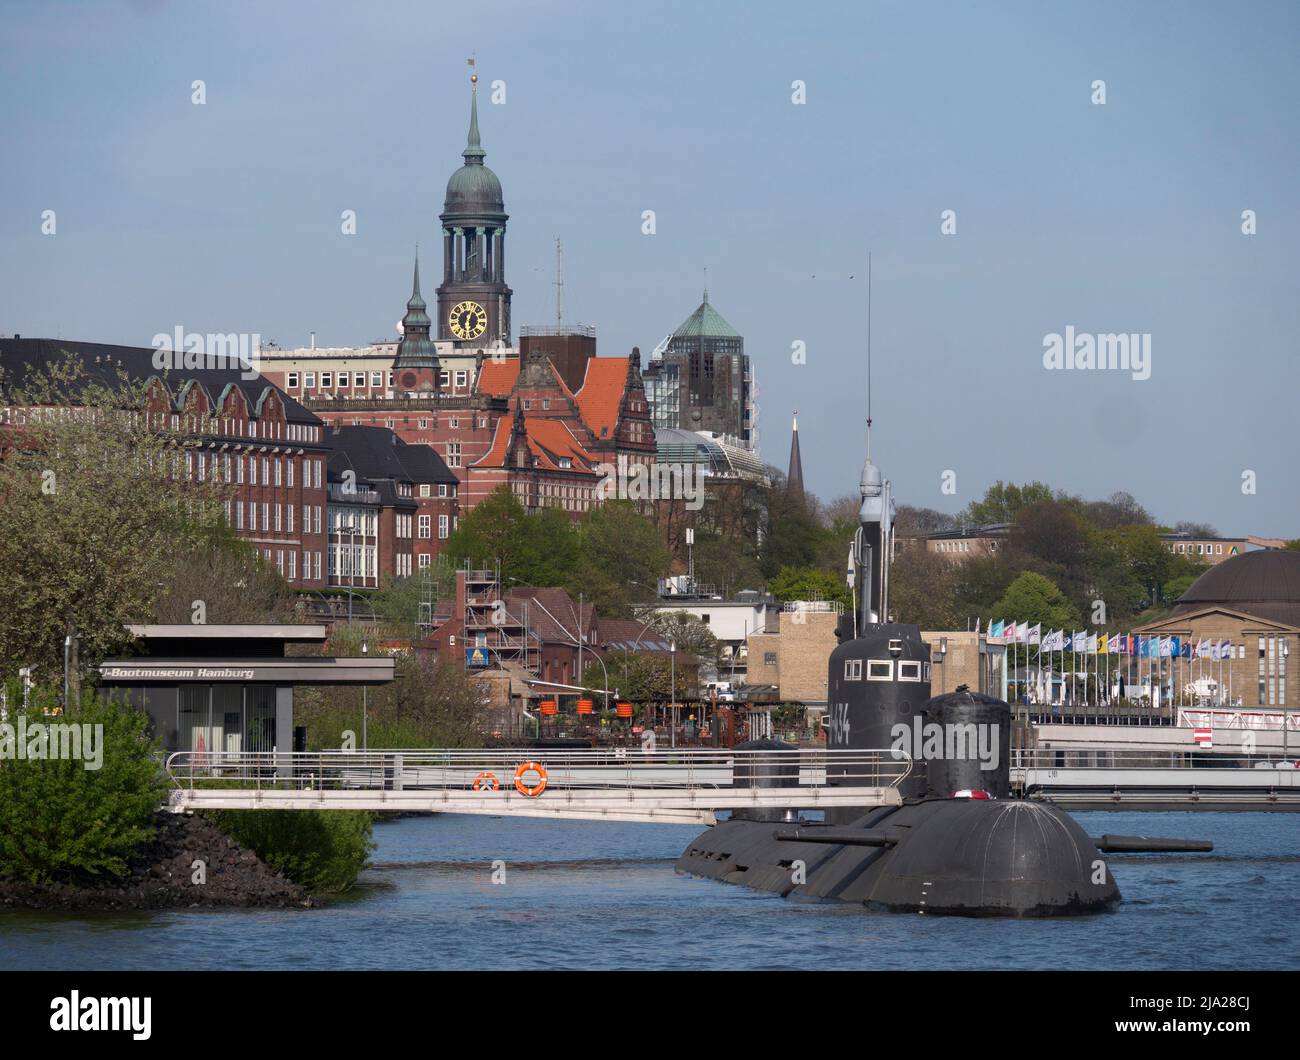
559 286
868 355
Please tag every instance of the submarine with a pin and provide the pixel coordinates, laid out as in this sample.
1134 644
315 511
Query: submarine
959 844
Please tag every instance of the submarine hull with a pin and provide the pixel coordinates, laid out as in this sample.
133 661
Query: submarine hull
955 857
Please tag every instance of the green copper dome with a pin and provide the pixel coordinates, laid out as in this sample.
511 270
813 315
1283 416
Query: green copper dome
474 188
706 322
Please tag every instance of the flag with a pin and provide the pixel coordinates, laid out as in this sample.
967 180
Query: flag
851 574
1067 642
1204 738
1225 649
995 628
1166 647
1096 645
1010 632
1035 634
1187 649
1054 641
1175 647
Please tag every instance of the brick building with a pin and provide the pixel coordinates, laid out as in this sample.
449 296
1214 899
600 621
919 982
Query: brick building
255 439
392 506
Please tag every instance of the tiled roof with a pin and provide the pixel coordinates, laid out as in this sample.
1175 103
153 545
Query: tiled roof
626 634
601 395
376 452
498 377
548 440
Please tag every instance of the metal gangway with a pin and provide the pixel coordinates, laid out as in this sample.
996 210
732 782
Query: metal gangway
680 786
1082 778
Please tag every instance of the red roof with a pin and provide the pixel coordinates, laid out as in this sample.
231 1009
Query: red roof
601 395
498 377
549 441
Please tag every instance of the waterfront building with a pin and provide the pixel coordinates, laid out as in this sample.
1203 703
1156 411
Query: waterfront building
256 440
1248 604
229 688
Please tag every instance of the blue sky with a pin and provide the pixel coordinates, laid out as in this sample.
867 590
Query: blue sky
1117 218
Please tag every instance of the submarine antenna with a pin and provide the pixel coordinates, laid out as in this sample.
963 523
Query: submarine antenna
868 355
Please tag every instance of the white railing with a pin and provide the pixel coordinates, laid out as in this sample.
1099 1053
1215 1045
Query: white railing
618 783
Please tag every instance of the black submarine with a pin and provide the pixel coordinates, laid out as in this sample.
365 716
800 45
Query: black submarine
959 844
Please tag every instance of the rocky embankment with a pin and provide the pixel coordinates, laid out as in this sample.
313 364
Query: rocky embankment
162 877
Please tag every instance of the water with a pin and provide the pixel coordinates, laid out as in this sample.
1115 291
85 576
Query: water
601 896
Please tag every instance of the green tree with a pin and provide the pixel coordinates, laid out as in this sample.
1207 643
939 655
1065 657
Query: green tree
69 818
95 512
809 583
620 559
1032 598
321 850
639 677
1003 501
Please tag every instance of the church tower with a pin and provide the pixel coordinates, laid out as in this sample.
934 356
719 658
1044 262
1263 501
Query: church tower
415 368
473 299
794 480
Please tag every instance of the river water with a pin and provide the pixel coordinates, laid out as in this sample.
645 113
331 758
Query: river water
580 895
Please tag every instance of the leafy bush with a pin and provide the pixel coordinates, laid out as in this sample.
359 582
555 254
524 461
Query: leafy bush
321 850
61 820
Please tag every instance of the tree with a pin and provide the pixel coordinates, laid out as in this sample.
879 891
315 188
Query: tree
922 589
809 583
620 559
791 532
912 521
228 576
639 677
1195 529
1032 598
68 818
1003 501
1121 509
95 511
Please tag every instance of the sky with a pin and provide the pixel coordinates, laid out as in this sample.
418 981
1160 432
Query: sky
1117 217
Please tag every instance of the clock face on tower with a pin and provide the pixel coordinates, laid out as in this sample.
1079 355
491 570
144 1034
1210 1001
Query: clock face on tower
467 320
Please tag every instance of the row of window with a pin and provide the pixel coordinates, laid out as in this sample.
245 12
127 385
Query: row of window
1198 548
233 467
883 670
286 562
276 518
378 380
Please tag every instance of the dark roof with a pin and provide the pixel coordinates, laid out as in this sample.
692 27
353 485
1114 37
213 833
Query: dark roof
1264 583
19 358
561 624
626 634
377 453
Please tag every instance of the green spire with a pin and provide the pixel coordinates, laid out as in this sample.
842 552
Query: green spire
416 301
473 149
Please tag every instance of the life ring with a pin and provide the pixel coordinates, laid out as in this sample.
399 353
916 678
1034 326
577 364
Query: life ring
486 780
536 789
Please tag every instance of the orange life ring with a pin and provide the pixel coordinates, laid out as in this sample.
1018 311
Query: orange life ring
484 780
536 789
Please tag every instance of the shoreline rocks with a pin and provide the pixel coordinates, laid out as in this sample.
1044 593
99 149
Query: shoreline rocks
161 877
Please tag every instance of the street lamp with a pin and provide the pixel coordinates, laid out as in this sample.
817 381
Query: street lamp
672 698
365 650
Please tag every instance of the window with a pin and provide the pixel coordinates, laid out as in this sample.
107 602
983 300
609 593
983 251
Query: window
293 564
546 403
424 560
769 658
326 379
376 379
252 515
527 404
278 472
460 379
277 518
880 670
266 471
442 489
453 454
444 377
239 515
425 526
288 515
852 669
442 526
424 489
308 380
390 424
423 424
909 671
343 380
292 381
455 423
289 462
358 378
